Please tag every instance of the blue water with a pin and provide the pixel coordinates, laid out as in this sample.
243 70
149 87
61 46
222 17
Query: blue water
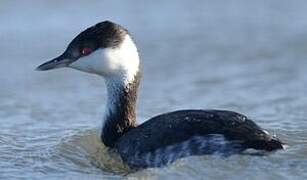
246 56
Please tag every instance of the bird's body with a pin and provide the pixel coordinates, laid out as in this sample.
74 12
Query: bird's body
167 137
108 50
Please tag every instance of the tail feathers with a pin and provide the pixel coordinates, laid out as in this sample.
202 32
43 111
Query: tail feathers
269 145
274 144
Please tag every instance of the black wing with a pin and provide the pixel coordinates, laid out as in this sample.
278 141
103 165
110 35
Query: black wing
177 127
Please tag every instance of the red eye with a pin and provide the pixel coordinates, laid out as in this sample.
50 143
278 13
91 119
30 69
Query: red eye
86 51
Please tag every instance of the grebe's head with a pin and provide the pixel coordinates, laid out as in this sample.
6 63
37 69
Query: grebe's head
105 49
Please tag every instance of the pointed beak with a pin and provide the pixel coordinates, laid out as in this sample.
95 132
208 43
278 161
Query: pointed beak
58 62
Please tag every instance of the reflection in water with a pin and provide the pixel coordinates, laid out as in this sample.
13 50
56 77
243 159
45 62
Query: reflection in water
85 150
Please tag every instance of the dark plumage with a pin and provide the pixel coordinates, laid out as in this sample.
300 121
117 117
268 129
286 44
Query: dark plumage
166 137
102 35
170 136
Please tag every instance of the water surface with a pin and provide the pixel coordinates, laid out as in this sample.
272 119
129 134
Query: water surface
245 56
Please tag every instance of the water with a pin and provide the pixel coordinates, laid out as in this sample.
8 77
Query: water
246 56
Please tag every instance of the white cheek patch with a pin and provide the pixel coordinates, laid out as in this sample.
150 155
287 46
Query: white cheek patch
122 61
89 63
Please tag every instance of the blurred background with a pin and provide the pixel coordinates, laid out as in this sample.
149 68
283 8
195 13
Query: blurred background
245 56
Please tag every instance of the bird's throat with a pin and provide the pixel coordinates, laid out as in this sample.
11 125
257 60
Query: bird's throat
120 115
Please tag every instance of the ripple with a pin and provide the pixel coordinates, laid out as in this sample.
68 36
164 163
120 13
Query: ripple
85 150
248 56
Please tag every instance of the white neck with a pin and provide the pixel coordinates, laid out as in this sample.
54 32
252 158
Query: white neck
120 68
115 87
120 114
123 61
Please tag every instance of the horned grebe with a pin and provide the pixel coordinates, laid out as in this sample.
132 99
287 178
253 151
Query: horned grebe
107 49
